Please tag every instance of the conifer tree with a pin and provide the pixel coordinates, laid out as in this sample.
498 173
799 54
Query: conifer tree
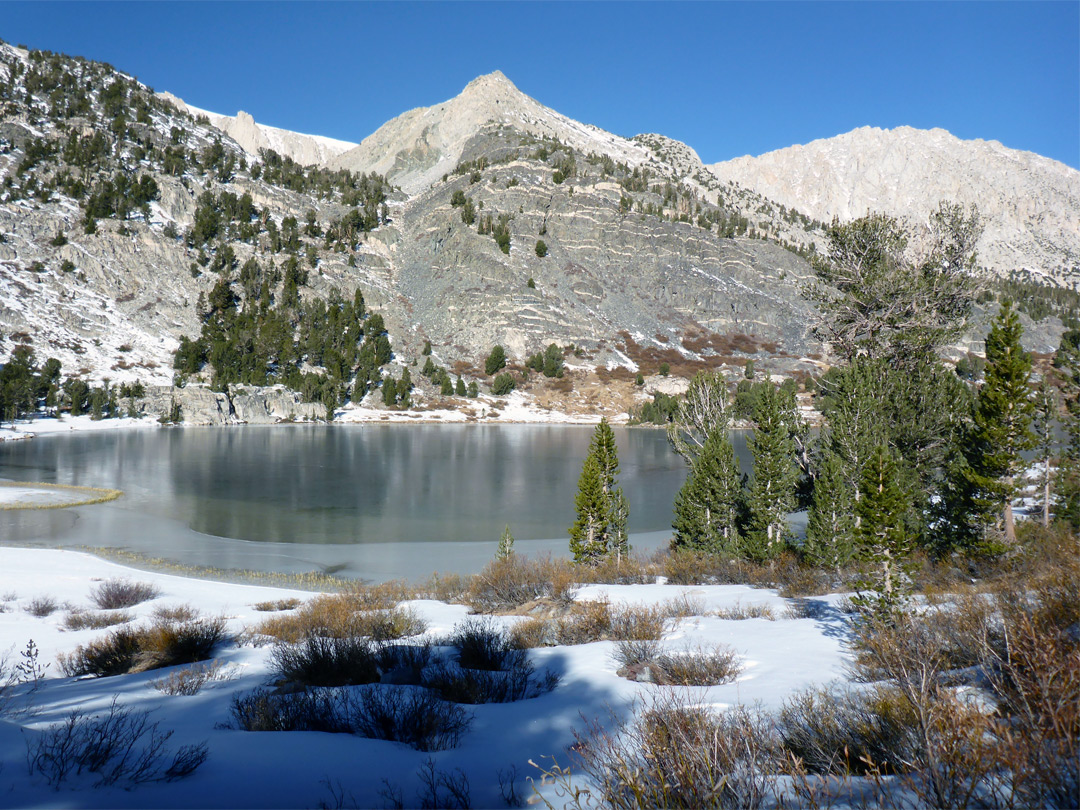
602 510
706 406
707 506
1000 430
830 525
883 539
1067 362
772 489
506 544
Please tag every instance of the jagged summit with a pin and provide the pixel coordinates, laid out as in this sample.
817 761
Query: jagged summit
419 146
1030 204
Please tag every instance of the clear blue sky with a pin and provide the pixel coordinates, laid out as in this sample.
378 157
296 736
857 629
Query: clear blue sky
728 78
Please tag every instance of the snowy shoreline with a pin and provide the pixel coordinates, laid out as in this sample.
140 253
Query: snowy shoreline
293 769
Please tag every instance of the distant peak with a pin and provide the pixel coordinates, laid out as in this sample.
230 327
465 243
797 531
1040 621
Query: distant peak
490 80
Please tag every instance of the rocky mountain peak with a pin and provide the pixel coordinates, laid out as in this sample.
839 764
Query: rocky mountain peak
1030 205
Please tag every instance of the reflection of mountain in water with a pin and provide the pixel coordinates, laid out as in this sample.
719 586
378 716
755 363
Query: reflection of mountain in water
347 485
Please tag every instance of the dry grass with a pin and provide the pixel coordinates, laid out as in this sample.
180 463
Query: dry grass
595 620
191 680
277 605
739 612
343 616
644 660
113 594
137 649
86 620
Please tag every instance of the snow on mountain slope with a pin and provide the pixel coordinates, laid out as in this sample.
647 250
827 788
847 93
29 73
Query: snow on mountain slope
1029 204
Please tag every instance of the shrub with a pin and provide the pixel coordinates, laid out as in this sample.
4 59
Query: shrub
318 661
739 611
121 748
481 644
509 583
190 680
279 604
42 606
137 649
84 620
341 616
472 686
643 660
503 384
410 715
113 594
175 613
261 710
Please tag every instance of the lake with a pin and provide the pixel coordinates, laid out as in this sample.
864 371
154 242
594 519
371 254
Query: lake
371 501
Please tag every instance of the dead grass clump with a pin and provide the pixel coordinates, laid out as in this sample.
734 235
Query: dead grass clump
113 594
137 649
450 588
190 680
593 620
175 613
381 596
42 606
645 661
629 570
86 620
739 612
340 616
675 756
507 584
277 605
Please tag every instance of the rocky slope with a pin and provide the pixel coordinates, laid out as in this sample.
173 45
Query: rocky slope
1029 204
253 136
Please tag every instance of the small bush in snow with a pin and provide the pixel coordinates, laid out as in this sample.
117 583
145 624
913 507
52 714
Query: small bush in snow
278 604
646 661
516 580
137 649
175 613
121 747
318 661
414 716
87 620
739 611
190 680
342 616
113 594
482 644
42 606
317 710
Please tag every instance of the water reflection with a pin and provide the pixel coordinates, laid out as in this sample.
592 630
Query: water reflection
368 498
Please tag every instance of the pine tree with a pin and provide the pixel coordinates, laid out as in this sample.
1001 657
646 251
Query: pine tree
883 540
459 388
830 525
602 510
707 506
1000 431
772 489
1067 362
1045 412
506 545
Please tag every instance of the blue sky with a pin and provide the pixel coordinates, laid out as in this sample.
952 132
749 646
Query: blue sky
728 78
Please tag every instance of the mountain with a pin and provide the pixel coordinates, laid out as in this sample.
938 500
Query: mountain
142 240
1030 205
253 136
418 147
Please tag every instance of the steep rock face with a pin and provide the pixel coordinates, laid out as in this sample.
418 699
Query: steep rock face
418 147
1030 205
307 150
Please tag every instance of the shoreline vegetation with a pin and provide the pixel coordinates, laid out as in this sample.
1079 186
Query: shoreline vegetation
97 495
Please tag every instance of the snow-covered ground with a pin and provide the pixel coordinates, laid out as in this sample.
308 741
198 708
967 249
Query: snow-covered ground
28 428
293 769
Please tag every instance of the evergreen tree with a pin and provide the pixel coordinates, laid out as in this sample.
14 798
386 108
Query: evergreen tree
883 540
1067 363
707 506
1045 412
602 510
495 361
1000 431
506 545
830 525
772 489
459 387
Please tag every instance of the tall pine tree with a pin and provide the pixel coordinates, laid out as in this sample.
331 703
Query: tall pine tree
707 506
1000 432
602 510
883 539
772 489
830 526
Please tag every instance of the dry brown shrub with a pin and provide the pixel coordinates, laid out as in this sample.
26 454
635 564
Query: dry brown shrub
739 611
450 588
508 584
341 616
379 596
84 620
277 604
175 613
